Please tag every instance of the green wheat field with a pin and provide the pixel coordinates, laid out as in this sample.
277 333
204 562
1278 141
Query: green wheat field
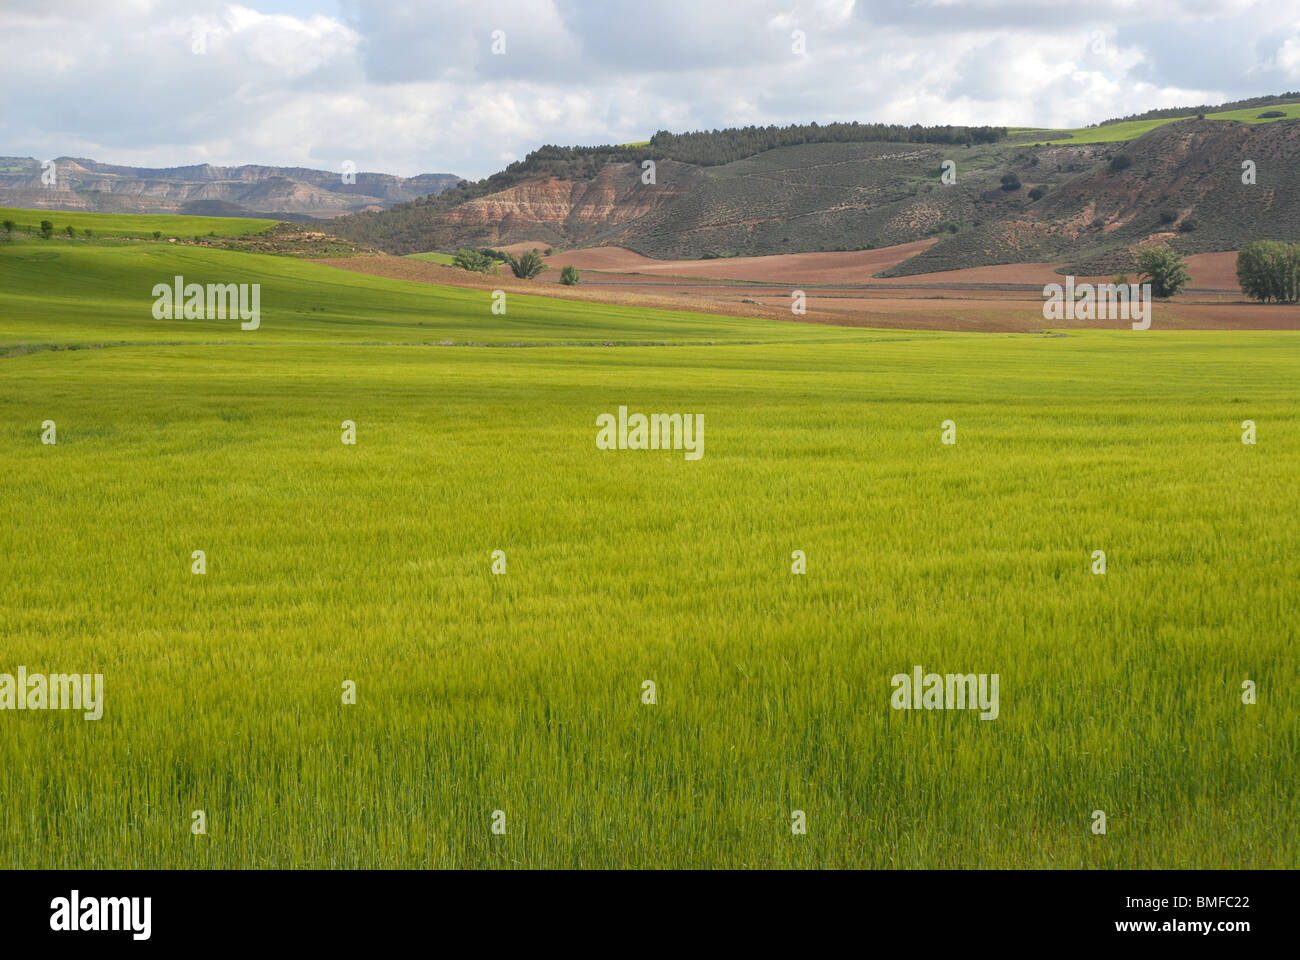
522 692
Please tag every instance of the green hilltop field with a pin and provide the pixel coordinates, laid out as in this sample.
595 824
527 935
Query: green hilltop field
446 259
1119 132
135 225
522 692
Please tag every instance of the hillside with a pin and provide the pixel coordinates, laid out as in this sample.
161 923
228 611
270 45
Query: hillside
247 191
810 197
1182 185
826 192
557 192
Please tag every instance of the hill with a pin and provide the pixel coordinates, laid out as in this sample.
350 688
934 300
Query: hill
1019 195
285 193
1180 183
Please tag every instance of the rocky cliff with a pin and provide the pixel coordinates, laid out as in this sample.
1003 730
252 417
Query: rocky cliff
250 190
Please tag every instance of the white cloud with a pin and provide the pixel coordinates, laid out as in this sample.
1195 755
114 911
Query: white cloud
409 88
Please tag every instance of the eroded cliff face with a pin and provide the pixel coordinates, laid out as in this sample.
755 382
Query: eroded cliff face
564 211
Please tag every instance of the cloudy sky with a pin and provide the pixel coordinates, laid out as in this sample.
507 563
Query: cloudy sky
414 87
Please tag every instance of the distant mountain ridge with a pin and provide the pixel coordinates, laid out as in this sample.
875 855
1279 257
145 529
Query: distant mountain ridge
294 193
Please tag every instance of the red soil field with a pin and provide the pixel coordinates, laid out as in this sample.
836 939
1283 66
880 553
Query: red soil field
848 267
921 302
1209 271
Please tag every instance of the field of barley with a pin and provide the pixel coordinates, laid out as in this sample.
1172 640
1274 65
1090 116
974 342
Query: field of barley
521 692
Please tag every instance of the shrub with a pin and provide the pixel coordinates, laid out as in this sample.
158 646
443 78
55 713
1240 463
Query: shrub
548 251
47 229
1270 114
569 276
1270 270
527 266
1120 280
1010 182
1187 226
1037 193
87 233
1120 162
157 234
1168 216
9 226
1164 269
70 230
473 260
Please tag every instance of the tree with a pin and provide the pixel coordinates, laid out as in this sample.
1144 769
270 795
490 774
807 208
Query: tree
473 260
1010 182
1120 162
9 226
157 234
1164 269
527 266
70 230
569 276
47 229
1270 270
87 233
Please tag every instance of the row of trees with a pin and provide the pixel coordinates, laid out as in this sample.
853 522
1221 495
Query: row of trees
708 148
1270 270
46 230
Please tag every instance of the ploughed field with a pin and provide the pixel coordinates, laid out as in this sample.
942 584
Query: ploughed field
522 692
841 289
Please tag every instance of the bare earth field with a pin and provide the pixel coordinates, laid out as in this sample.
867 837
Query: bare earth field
849 267
1210 271
841 290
